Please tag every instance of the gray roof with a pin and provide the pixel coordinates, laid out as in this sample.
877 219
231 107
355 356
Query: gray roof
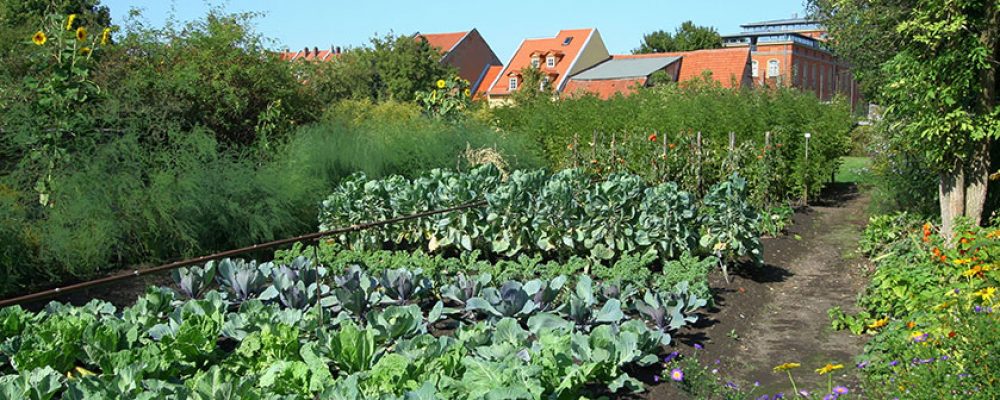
787 21
618 68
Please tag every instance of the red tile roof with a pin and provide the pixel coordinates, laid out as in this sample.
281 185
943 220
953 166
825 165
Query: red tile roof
725 64
444 41
522 57
605 88
488 78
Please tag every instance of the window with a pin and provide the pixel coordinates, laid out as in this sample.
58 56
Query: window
773 69
567 41
550 61
513 84
535 62
543 83
753 69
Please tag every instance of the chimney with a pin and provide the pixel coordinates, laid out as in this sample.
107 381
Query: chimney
306 52
338 49
316 51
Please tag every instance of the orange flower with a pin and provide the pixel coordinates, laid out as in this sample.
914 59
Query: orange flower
927 232
952 334
778 145
936 251
652 137
911 325
671 146
760 157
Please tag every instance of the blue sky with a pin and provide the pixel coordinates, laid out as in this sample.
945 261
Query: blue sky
299 23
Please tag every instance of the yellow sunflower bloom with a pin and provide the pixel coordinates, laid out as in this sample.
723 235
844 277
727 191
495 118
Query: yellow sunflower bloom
105 35
85 51
786 367
81 33
440 83
69 21
879 323
987 294
39 38
972 271
829 368
467 93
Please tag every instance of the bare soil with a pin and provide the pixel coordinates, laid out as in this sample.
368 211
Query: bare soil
777 313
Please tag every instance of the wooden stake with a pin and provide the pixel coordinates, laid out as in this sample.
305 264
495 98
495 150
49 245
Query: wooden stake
576 143
698 163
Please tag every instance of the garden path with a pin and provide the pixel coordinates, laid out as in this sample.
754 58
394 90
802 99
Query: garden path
778 313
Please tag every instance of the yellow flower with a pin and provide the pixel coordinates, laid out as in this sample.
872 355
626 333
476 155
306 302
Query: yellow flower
81 33
105 36
960 261
39 38
69 21
916 334
972 271
467 93
440 83
786 367
987 294
85 51
879 323
829 368
719 246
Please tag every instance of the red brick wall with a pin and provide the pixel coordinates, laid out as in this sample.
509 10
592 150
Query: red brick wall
808 69
471 57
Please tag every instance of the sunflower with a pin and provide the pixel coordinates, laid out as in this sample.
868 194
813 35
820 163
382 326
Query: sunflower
440 83
39 38
828 368
85 51
879 323
105 35
467 93
786 367
81 33
69 21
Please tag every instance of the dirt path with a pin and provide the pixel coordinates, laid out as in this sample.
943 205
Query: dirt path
778 313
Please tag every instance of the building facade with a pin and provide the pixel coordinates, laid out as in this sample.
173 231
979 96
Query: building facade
468 52
794 52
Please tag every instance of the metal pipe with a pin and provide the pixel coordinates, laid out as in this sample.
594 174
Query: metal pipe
229 253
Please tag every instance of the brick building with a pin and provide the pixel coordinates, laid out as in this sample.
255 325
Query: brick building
577 62
468 52
793 52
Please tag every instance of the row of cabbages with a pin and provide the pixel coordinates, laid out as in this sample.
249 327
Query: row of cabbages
395 336
558 215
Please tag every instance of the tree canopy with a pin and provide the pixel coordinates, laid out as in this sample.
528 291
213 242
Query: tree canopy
686 37
933 64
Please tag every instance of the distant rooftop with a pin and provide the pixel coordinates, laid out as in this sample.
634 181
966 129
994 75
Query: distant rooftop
787 21
618 68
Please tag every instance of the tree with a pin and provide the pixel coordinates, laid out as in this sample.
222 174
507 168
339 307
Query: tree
937 81
686 37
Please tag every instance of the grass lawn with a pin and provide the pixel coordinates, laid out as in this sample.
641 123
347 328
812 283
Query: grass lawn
854 169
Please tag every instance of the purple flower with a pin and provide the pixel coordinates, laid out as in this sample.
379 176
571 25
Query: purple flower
893 363
977 309
756 383
779 396
698 346
943 358
920 339
839 390
830 396
764 397
677 375
731 385
863 364
656 378
670 357
717 361
989 310
804 393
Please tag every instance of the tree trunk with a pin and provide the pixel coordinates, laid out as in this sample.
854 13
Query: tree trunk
977 180
951 194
